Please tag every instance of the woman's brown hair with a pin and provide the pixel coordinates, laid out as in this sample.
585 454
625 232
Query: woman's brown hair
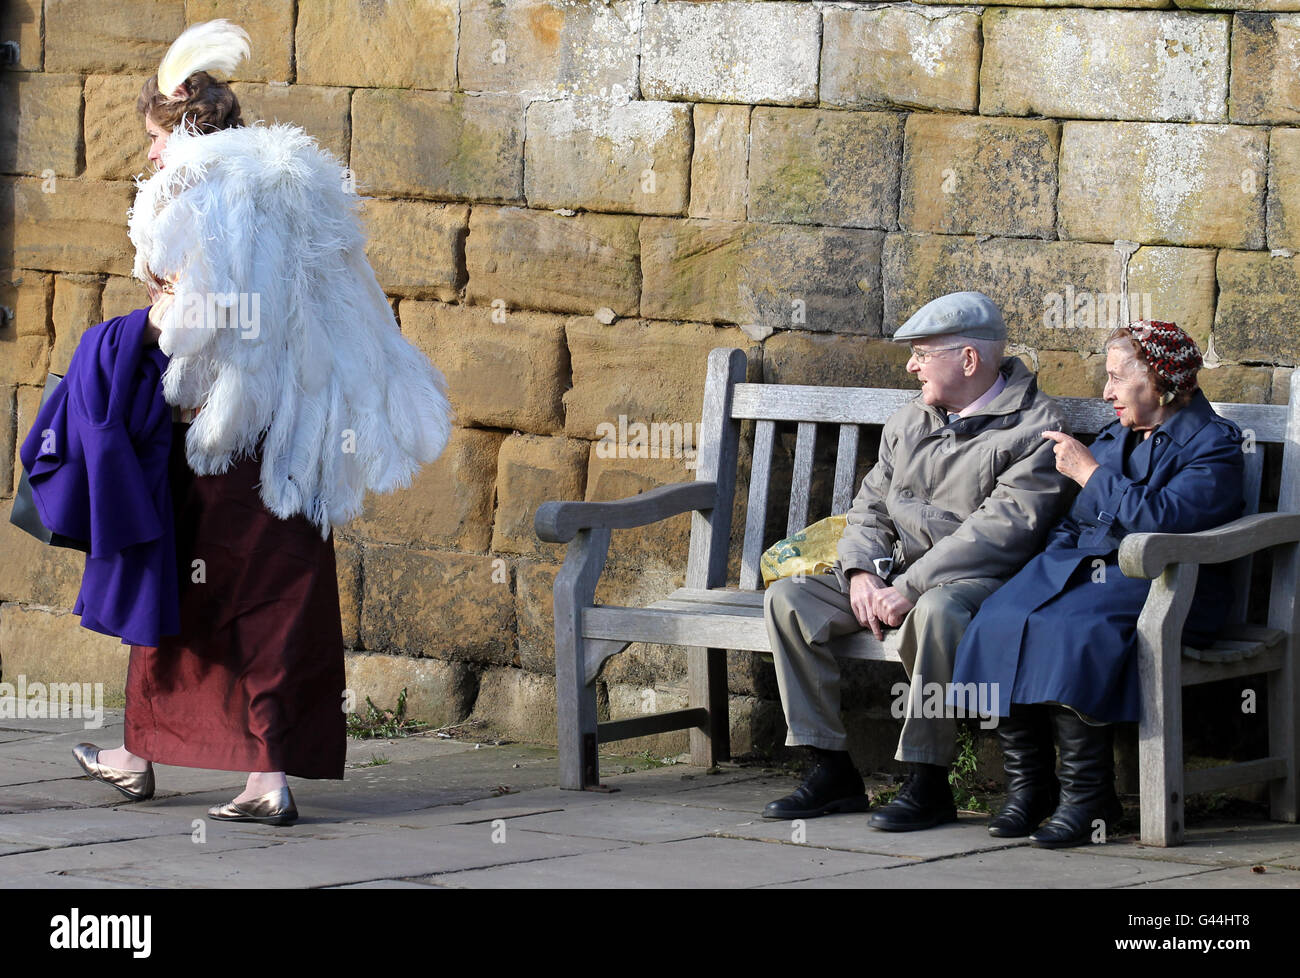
210 106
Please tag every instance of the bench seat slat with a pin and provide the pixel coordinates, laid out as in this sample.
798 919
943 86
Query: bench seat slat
683 622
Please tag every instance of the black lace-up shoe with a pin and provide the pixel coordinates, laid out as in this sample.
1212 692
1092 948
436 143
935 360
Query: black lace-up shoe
833 786
924 801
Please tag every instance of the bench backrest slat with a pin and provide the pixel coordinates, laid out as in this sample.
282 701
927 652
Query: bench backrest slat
1239 572
760 474
846 466
801 484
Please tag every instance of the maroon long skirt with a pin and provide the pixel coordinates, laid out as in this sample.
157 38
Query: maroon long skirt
254 681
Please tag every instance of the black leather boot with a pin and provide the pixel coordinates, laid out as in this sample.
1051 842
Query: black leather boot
1029 760
924 801
1087 783
833 786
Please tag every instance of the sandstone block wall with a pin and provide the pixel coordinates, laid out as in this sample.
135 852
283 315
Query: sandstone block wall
570 202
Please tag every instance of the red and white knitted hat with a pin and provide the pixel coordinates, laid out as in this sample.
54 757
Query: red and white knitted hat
1169 351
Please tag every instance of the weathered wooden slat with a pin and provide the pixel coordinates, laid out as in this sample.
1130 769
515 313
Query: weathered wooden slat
846 467
1195 672
743 630
1147 554
748 599
735 628
1225 776
835 405
653 723
864 646
760 475
1240 570
801 483
1255 633
1160 727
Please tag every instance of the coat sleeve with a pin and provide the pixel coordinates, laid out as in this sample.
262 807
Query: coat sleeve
1205 492
870 532
998 537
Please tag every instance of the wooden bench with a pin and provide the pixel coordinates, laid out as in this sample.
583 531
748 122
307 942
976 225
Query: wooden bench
709 617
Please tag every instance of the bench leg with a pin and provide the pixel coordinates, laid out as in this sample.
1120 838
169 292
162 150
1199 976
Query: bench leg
1284 685
575 699
576 713
707 671
1160 755
1160 729
1282 740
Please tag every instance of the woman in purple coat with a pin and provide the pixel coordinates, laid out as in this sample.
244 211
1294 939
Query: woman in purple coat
294 394
1057 642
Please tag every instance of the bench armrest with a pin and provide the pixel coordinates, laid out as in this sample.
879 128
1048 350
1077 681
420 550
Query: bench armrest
559 522
1148 554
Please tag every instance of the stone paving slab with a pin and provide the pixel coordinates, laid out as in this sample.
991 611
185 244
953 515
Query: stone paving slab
84 826
62 881
8 736
63 725
17 771
632 821
389 855
748 795
1220 844
142 856
689 864
1020 868
1236 878
66 792
851 832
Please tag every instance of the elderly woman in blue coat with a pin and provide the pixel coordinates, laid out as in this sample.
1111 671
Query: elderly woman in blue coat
1058 641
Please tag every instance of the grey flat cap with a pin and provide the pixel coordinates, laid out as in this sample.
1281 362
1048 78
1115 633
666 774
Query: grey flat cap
970 314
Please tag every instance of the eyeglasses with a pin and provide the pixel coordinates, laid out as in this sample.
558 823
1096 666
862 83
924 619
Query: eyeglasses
923 356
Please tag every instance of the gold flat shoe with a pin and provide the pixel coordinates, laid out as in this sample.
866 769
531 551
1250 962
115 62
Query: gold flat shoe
273 808
136 785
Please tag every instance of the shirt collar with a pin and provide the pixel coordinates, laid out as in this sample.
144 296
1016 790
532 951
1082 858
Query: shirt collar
984 399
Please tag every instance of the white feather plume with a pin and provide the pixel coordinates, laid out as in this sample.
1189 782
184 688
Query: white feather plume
341 401
216 45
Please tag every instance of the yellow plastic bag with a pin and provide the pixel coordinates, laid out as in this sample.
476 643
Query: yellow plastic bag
810 551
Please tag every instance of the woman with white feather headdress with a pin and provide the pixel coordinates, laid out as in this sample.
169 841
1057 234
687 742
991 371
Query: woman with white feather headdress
296 393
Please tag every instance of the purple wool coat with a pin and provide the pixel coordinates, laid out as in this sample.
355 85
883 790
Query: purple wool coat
97 460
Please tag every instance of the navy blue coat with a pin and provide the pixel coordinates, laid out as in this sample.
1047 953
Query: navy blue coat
1064 628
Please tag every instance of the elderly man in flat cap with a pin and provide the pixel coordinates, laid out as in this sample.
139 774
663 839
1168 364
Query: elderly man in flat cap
962 494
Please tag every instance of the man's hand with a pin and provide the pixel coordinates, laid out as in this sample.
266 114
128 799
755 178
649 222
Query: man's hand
862 585
889 606
1073 459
